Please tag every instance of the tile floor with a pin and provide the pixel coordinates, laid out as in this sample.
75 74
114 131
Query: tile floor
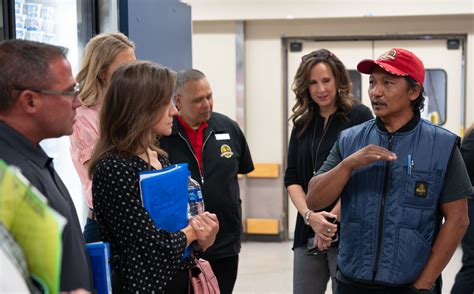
266 267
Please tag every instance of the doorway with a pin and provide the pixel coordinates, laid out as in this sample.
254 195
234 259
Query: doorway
443 58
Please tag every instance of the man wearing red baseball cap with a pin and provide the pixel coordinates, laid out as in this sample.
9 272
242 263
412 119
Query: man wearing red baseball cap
398 176
397 61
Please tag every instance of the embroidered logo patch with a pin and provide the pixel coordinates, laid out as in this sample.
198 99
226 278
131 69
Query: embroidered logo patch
421 189
226 151
389 55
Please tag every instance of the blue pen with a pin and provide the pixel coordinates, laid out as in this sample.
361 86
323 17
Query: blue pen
409 164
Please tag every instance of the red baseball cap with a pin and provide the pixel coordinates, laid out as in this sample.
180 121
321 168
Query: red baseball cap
397 61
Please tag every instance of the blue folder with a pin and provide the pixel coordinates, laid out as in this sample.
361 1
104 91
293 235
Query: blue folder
99 254
165 196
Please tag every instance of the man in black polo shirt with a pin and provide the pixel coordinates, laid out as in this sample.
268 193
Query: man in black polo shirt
216 150
38 100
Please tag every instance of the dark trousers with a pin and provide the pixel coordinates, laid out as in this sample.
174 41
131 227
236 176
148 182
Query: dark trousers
464 282
91 231
225 270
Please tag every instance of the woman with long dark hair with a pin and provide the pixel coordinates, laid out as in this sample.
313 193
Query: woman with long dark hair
137 108
324 106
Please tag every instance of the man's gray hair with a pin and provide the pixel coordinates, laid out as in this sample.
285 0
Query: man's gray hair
187 75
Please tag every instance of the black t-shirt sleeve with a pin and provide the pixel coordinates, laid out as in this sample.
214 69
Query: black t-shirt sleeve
291 173
333 159
456 182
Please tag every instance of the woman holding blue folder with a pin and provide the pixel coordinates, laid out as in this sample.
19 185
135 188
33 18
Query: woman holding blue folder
137 108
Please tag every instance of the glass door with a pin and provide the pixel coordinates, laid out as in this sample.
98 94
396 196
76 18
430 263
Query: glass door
67 23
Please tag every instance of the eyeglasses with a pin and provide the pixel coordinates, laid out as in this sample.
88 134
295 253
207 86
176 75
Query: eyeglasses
318 54
71 93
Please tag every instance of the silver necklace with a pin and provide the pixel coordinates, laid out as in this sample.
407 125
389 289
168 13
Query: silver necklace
314 155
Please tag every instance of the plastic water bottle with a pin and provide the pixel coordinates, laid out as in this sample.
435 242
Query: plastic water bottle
195 201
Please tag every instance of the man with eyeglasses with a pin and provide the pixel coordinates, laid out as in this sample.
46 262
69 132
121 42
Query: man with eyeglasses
38 100
398 177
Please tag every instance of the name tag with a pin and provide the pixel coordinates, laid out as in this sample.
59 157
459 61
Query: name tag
222 137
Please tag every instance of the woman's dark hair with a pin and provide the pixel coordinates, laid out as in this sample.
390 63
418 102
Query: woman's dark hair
305 108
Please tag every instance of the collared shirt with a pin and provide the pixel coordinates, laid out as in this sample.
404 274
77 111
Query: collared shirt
195 137
83 139
36 166
225 154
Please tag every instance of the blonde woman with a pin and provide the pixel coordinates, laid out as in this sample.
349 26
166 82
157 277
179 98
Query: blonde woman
137 109
102 55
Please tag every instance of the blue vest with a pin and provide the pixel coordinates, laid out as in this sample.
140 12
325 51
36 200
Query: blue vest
389 209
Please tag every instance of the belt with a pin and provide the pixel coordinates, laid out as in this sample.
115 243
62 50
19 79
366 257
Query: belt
91 214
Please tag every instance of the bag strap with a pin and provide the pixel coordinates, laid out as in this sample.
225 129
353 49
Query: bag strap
204 273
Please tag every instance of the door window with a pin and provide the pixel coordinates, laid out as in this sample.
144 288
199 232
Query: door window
356 84
435 94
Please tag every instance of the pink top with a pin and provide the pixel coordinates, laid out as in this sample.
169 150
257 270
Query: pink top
83 139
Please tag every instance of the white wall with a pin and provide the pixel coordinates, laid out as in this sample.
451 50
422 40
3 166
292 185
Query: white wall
214 49
214 54
298 9
265 76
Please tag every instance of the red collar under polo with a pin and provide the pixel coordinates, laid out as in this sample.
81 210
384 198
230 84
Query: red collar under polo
195 137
